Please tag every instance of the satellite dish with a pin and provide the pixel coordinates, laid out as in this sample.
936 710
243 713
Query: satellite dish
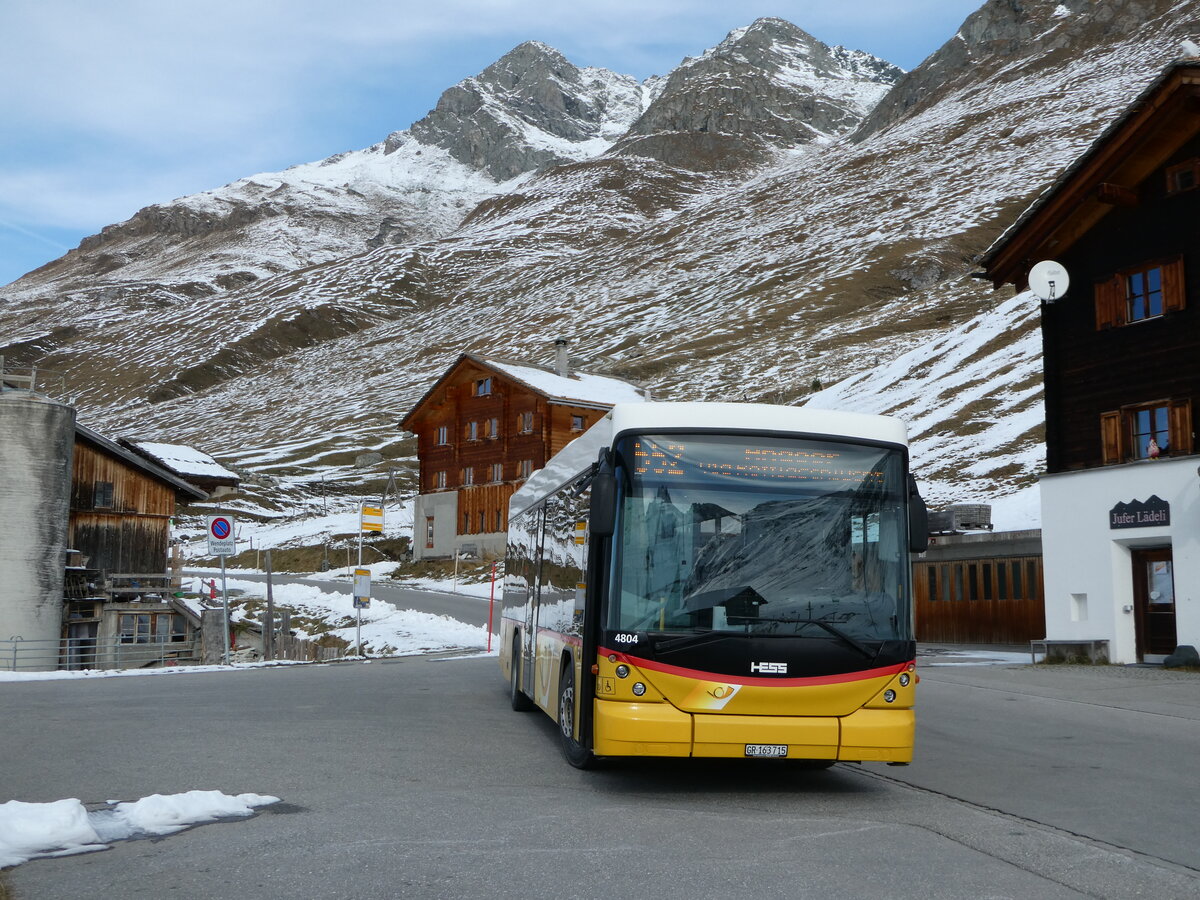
1049 281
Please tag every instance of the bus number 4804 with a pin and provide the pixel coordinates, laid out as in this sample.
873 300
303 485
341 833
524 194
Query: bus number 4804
625 639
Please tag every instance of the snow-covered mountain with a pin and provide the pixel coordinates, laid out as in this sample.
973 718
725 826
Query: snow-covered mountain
530 109
766 86
824 259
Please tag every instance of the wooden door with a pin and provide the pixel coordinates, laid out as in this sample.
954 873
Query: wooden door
1154 602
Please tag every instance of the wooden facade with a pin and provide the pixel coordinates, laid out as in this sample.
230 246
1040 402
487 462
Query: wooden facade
481 431
1100 366
980 589
1125 339
121 507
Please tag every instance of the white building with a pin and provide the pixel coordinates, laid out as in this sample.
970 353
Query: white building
1122 557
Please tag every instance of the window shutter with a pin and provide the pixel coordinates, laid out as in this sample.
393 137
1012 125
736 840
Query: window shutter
1110 437
1110 303
1181 427
1174 290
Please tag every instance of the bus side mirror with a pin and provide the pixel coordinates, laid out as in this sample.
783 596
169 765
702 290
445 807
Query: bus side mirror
918 519
602 517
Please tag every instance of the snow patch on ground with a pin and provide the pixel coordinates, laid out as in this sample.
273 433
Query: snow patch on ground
64 827
386 629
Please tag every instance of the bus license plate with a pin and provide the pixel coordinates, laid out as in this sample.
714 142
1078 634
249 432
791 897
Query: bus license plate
766 749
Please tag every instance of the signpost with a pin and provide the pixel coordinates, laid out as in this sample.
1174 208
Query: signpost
221 536
362 600
269 629
222 542
370 518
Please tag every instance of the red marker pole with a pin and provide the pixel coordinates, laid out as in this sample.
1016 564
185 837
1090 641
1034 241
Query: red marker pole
491 606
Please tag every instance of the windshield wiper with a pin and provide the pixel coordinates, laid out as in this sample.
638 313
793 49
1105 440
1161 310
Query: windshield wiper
832 629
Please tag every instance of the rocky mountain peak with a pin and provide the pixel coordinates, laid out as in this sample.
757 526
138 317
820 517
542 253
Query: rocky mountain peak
531 61
770 84
845 265
777 45
530 108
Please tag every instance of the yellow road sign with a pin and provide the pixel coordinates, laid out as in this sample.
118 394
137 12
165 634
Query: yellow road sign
372 518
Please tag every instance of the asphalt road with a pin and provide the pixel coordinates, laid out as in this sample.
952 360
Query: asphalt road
1111 752
413 778
465 608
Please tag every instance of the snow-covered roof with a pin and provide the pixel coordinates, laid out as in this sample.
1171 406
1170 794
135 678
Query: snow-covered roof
186 461
576 387
145 464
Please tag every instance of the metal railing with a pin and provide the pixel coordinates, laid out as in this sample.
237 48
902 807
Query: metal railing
120 652
43 381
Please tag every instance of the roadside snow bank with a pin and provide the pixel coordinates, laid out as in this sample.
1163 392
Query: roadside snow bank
386 629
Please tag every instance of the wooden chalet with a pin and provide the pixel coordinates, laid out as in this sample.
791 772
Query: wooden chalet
1122 375
482 429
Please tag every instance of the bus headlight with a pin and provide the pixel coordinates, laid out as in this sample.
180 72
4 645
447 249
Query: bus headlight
904 679
622 671
889 695
638 689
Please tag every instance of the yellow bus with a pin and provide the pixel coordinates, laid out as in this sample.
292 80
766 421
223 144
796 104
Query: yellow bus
718 580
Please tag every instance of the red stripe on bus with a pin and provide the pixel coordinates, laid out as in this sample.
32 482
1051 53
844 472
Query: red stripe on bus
701 675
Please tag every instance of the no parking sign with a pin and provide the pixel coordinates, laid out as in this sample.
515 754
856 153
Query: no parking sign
222 540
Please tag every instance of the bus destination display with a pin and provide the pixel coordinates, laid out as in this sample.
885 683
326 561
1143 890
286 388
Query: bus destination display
670 458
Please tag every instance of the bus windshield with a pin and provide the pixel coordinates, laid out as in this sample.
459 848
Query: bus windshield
758 535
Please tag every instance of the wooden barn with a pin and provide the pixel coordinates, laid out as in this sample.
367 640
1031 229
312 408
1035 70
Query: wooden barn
118 610
121 506
482 429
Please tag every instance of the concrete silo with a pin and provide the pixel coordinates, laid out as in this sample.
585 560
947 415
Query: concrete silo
37 437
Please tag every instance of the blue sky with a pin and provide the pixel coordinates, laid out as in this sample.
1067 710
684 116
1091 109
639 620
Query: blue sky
108 107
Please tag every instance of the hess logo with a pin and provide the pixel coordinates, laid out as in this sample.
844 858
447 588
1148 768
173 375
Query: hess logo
768 668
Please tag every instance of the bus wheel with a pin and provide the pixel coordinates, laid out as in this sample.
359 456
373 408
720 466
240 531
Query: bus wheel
519 700
577 755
